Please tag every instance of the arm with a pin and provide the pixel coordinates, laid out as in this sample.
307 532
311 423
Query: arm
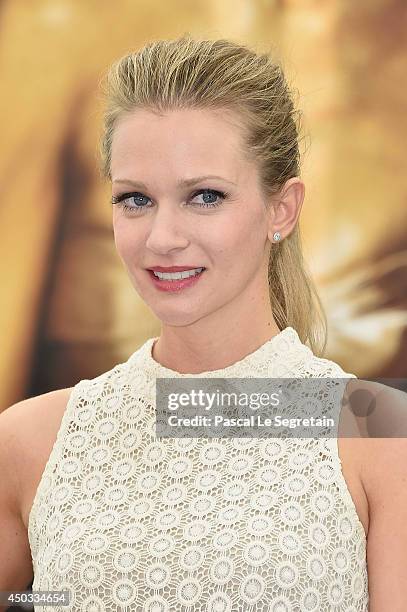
384 476
16 570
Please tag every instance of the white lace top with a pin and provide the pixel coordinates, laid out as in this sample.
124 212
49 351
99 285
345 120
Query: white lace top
127 521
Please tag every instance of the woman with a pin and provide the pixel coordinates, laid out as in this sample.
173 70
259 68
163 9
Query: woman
201 146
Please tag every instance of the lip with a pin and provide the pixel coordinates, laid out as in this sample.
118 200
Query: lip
174 268
174 285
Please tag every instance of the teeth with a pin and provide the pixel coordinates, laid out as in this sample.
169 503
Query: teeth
177 275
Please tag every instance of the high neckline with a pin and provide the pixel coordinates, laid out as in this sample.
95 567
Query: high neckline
277 345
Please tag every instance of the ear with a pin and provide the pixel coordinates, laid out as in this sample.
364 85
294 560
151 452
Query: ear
286 208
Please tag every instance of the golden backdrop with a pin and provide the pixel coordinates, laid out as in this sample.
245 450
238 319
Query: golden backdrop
69 310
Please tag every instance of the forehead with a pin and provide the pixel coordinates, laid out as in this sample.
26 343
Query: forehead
204 140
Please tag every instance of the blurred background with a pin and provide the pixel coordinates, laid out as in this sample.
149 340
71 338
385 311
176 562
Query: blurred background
68 309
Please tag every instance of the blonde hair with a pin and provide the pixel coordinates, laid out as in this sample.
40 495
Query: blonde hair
222 74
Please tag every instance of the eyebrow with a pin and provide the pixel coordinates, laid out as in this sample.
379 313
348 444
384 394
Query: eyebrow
180 183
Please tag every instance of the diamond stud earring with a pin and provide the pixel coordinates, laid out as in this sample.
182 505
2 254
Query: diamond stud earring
276 236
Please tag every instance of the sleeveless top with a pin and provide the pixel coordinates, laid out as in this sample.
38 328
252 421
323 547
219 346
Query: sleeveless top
128 521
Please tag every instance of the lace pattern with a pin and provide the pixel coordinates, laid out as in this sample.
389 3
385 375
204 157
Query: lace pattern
126 521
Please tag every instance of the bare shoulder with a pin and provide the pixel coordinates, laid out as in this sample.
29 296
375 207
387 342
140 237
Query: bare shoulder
25 423
29 429
25 427
383 424
380 412
33 406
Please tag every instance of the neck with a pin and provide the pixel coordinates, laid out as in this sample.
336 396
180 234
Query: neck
199 347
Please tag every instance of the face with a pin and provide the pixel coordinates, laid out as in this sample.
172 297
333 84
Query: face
220 224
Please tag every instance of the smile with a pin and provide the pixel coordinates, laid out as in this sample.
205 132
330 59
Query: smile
176 281
178 275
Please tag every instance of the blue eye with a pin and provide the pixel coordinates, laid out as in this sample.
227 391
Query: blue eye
212 193
137 198
121 199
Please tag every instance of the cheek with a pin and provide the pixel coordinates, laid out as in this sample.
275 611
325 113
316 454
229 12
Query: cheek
125 240
118 240
241 241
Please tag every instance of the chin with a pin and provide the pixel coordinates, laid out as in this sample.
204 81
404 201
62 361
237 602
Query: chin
178 320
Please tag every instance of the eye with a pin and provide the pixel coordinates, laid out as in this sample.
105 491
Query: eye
212 193
124 197
136 198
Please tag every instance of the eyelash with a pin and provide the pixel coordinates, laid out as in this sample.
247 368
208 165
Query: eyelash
120 199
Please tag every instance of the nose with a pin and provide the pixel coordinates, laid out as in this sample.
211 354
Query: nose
167 230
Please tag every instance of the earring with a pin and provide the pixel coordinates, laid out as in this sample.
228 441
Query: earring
276 236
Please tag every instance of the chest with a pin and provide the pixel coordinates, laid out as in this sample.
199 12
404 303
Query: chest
37 456
180 520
